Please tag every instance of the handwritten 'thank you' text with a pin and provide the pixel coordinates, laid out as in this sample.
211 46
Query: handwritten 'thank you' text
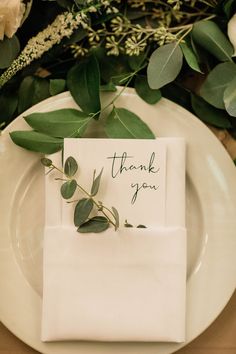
122 164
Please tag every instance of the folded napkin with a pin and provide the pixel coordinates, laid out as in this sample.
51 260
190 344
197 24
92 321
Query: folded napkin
125 285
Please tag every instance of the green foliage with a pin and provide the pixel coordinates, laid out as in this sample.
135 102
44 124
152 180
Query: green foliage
83 81
145 92
121 123
60 123
164 65
190 56
8 105
70 167
210 114
208 35
230 98
96 183
32 90
56 86
217 81
96 224
68 189
35 141
9 49
82 211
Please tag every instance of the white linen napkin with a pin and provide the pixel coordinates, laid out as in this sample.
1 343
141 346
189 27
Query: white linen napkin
127 285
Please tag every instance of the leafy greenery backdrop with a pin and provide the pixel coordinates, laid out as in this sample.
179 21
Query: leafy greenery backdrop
176 49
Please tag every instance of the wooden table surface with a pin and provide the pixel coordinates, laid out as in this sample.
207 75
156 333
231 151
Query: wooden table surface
219 338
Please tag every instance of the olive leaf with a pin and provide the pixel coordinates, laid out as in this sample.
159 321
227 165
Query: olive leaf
164 65
62 123
208 35
96 183
68 189
35 141
124 124
145 92
82 210
209 114
83 81
96 224
216 82
70 167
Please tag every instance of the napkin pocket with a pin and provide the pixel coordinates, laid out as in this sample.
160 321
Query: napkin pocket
125 285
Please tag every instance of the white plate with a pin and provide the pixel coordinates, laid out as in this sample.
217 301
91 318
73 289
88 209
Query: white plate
211 223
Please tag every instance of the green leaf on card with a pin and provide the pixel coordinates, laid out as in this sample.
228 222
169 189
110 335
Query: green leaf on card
230 98
124 124
164 65
82 210
145 92
70 167
116 217
68 189
96 183
83 81
96 224
216 82
35 141
63 123
209 114
208 35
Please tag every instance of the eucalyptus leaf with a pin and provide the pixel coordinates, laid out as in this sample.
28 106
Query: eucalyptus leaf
35 141
164 65
216 82
145 92
209 114
82 210
70 167
96 224
63 123
208 35
96 183
46 162
117 217
124 124
57 86
68 189
32 90
190 57
230 98
9 49
83 81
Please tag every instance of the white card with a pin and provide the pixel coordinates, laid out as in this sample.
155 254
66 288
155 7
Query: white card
133 178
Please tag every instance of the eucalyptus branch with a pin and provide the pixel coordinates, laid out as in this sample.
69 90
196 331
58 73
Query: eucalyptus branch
84 206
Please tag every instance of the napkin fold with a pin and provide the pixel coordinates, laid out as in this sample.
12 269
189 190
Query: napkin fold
127 285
